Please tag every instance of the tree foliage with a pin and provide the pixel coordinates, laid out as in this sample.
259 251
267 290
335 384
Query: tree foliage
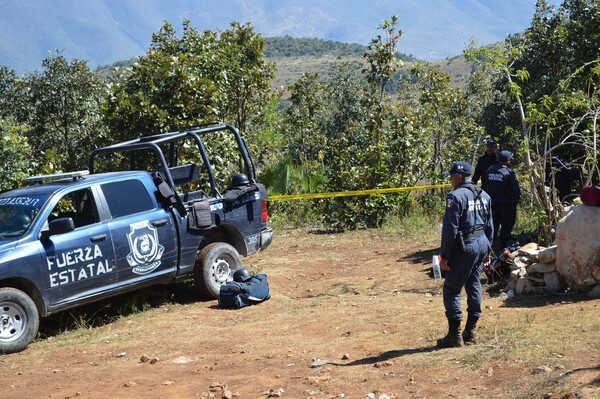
172 87
191 80
15 155
369 125
59 111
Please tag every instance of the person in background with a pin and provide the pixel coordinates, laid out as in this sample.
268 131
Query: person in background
488 159
567 180
501 183
467 232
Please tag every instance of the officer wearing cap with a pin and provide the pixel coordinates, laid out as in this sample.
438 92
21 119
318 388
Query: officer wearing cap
488 159
501 183
467 232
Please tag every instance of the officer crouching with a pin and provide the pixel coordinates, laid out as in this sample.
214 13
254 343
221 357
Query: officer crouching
467 233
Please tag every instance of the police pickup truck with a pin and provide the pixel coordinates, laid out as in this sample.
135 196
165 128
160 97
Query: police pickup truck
74 238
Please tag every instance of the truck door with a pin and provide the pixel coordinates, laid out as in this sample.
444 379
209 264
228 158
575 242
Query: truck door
80 263
142 231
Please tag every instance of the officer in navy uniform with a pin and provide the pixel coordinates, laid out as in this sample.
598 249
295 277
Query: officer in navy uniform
466 237
488 159
501 183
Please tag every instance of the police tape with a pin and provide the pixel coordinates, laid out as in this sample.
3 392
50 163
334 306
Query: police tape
353 193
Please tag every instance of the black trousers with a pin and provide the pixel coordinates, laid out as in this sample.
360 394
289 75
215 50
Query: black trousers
504 216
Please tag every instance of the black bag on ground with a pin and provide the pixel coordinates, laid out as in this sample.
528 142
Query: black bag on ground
235 295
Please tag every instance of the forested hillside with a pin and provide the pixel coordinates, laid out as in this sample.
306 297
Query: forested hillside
287 46
296 56
368 121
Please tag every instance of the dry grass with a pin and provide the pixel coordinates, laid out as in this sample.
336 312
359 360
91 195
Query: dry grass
361 302
290 69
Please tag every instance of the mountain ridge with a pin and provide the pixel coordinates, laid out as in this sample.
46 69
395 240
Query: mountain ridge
106 31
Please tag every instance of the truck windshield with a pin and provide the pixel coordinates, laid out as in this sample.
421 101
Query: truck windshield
17 213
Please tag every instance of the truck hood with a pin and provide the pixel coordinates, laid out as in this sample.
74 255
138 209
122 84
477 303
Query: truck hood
7 245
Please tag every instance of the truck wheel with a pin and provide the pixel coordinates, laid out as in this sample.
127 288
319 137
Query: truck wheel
215 265
19 320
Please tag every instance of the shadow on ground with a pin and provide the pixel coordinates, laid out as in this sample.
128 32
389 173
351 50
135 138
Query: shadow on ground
389 355
106 311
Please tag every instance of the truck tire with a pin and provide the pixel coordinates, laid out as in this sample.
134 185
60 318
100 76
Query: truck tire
215 265
19 320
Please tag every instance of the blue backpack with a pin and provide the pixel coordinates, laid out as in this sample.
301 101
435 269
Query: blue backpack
236 295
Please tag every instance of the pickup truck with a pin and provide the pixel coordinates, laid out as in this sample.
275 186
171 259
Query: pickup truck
74 238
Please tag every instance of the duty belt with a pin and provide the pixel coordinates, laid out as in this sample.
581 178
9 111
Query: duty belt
474 234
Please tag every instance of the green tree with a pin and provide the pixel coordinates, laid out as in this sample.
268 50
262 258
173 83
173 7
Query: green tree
246 75
445 112
8 91
373 140
63 111
557 104
302 120
173 86
15 154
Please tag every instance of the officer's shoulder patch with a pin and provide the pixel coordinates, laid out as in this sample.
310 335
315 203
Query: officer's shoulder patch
449 203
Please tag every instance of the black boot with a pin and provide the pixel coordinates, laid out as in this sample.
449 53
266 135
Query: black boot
469 335
453 339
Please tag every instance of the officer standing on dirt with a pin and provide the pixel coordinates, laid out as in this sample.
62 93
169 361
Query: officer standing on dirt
488 159
502 185
466 237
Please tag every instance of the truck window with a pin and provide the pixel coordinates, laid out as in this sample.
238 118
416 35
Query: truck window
17 213
78 205
127 197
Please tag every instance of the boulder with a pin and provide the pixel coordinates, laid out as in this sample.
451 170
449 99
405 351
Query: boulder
519 262
595 292
523 286
530 250
539 279
547 255
541 268
517 274
554 282
578 247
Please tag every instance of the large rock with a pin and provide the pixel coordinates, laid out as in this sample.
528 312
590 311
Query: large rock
553 282
548 255
541 268
578 247
523 286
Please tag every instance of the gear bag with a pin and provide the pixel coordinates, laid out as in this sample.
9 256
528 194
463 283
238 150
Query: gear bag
167 196
236 295
201 217
499 266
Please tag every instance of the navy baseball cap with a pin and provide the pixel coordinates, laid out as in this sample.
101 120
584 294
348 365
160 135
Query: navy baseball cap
505 155
460 167
491 142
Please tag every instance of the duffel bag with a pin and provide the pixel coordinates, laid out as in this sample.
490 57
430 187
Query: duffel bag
235 295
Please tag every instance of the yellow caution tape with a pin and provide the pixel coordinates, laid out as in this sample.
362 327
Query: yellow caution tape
353 193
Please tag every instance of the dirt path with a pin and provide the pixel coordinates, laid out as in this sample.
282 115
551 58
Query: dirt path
350 316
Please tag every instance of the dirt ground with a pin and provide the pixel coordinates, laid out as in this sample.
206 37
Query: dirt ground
352 315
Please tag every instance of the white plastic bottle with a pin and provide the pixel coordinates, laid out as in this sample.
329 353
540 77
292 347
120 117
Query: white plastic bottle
437 272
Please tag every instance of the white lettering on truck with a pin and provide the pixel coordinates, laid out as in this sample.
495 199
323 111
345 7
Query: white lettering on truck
78 264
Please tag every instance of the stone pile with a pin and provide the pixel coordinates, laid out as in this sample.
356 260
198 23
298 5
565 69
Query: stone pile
573 263
534 271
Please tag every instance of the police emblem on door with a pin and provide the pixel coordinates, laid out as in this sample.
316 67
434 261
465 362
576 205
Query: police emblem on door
146 251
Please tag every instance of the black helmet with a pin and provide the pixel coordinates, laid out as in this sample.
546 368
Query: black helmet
21 221
239 179
241 275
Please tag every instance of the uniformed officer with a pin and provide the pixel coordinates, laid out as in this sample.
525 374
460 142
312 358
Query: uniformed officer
488 159
466 237
501 183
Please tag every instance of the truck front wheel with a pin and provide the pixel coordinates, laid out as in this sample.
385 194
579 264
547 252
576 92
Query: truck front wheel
19 320
215 265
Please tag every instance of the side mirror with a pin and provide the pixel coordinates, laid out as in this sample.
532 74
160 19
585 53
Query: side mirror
59 226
